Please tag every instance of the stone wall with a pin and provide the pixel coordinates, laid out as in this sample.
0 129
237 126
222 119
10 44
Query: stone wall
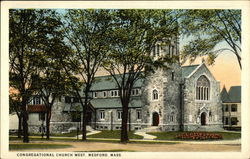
193 108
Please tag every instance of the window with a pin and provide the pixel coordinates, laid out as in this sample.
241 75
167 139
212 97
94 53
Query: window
202 88
171 117
234 121
119 114
41 116
36 100
135 92
94 94
172 75
67 99
114 93
104 94
226 120
102 114
226 108
155 94
234 107
138 114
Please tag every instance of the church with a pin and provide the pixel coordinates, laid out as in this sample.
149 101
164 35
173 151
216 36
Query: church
182 98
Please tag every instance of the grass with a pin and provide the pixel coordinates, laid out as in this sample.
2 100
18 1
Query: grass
115 134
172 135
70 134
21 146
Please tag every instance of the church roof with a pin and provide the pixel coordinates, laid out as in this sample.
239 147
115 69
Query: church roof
100 103
187 70
233 95
107 83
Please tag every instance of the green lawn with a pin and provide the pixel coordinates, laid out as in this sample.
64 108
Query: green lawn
70 134
115 134
172 135
21 146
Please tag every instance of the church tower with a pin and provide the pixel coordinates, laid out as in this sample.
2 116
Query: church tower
161 91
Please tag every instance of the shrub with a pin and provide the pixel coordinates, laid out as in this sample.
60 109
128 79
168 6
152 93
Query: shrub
199 136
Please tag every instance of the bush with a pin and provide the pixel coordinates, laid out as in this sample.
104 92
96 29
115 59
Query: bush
199 136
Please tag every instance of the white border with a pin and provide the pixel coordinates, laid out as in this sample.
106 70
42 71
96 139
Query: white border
244 5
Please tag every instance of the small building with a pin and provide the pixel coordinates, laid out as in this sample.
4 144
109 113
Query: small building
231 102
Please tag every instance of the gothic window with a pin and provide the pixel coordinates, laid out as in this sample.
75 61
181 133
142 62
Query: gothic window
155 94
202 88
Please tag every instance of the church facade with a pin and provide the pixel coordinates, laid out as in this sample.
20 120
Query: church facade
182 98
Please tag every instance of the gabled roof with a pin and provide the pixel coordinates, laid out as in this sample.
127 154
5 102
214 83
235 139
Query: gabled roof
235 94
187 70
232 96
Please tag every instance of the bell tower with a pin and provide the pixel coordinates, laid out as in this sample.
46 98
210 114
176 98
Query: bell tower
161 92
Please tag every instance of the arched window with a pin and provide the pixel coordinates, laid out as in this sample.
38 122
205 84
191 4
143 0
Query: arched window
202 88
155 94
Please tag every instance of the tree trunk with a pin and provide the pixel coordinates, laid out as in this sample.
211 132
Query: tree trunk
25 122
84 114
19 133
48 117
124 131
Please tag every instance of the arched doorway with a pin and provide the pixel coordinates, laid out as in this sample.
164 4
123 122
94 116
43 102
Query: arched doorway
203 118
155 119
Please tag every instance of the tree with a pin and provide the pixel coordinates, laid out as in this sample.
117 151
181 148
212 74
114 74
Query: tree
134 36
87 34
29 31
209 29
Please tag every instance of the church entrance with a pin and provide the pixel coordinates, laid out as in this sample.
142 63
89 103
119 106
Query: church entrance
89 116
155 119
203 118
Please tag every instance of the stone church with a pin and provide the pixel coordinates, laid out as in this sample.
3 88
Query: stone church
182 98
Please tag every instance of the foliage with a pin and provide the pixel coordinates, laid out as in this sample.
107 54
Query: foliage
134 35
212 32
85 31
199 136
172 135
30 30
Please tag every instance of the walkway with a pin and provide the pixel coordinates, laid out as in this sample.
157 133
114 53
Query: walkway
145 135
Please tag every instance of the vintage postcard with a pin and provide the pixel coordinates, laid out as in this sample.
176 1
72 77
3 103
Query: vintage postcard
125 79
